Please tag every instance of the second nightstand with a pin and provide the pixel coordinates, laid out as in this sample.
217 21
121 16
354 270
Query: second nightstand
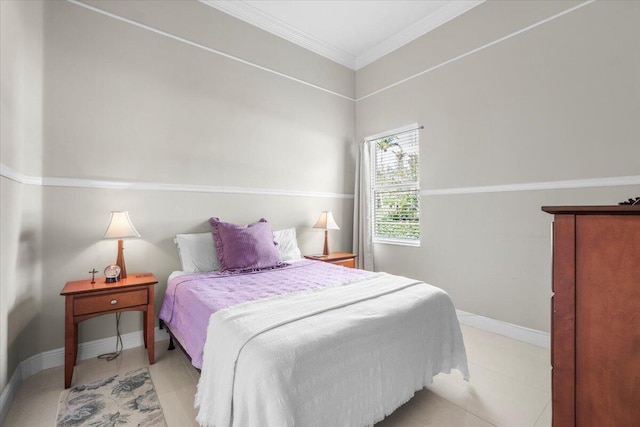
345 259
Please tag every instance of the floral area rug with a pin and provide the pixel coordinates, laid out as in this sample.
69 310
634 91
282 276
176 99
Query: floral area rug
121 400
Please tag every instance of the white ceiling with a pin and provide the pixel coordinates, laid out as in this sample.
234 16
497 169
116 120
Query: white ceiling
353 33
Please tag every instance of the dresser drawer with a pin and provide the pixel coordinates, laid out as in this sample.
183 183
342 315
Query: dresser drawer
351 263
107 302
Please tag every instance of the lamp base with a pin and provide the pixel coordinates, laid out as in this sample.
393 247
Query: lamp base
120 260
326 243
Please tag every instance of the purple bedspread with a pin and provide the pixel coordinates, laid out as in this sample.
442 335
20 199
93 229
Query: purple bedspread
191 299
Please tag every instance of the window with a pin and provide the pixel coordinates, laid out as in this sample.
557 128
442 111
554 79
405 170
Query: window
395 187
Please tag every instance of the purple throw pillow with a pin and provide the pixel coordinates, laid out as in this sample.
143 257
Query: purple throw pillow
244 247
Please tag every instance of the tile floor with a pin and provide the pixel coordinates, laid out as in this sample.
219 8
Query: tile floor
510 387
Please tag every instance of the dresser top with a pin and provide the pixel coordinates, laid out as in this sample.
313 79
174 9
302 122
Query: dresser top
594 210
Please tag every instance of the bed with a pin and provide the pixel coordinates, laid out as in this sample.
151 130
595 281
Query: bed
309 343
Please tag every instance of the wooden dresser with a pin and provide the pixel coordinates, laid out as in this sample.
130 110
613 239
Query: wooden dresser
595 319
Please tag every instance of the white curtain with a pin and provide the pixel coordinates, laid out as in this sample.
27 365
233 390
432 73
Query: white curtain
362 221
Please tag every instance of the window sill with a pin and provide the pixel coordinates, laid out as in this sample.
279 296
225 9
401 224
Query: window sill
399 242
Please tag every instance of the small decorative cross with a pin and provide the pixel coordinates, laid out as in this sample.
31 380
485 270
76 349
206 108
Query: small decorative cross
93 275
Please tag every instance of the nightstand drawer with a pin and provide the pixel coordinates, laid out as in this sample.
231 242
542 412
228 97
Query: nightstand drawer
107 302
351 263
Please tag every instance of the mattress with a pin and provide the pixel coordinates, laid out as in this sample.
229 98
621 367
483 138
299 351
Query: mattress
310 343
190 299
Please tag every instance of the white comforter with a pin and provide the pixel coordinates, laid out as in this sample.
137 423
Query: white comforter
346 355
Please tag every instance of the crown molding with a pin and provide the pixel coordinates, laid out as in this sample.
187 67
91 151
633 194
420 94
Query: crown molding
257 18
478 49
428 23
245 12
206 48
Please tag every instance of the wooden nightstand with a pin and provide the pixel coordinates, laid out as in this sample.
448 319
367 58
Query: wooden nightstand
339 258
84 300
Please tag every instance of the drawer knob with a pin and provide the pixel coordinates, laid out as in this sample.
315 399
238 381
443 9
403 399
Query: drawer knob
114 301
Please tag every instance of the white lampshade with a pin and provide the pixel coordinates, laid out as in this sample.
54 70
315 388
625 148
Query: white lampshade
120 227
326 221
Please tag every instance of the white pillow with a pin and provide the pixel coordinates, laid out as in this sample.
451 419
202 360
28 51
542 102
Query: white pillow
287 244
197 252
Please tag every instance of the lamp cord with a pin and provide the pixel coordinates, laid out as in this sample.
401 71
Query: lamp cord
110 356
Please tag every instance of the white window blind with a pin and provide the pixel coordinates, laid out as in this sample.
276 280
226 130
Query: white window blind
396 188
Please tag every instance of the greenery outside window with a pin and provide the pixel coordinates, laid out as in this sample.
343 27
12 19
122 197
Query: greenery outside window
395 185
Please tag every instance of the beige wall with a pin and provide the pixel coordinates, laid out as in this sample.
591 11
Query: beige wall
117 102
560 101
21 70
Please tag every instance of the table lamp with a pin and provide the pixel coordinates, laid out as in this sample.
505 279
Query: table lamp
120 227
327 223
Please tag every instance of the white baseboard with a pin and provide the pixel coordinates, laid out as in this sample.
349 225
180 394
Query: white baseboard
520 333
53 358
8 394
87 350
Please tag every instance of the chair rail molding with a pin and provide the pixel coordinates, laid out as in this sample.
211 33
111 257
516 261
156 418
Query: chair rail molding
13 175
